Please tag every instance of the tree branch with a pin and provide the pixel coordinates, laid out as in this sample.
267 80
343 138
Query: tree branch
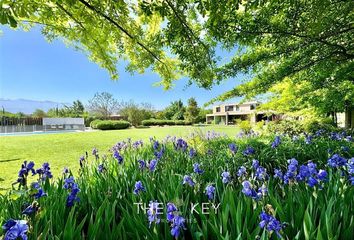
82 26
105 16
314 39
183 23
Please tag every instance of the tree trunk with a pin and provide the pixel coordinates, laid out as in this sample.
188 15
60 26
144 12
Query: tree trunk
349 117
335 118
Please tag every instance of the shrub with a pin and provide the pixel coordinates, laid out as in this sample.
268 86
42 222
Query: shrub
182 122
295 127
136 113
313 125
89 119
245 125
291 127
111 125
93 124
162 122
259 125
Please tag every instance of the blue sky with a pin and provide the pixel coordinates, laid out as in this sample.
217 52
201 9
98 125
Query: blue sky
32 68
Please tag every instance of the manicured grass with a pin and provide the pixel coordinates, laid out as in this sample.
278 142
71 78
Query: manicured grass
64 149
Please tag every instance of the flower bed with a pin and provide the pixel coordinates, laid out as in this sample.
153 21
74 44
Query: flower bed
203 187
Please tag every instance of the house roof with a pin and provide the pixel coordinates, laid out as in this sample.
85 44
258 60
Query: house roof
240 103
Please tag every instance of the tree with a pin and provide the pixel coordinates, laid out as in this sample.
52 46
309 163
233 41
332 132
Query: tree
303 100
103 104
39 113
20 115
271 40
135 113
192 110
159 115
77 108
175 111
202 114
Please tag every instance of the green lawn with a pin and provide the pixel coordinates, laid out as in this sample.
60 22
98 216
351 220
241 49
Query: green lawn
64 149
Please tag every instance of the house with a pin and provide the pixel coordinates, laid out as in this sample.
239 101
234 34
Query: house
229 113
115 117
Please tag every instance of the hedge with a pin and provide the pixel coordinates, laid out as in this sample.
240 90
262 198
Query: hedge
93 124
109 124
158 122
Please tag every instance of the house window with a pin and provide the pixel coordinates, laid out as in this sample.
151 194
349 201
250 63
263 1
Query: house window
229 108
237 108
252 107
217 109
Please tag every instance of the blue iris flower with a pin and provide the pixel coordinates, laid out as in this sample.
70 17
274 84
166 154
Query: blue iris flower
66 170
15 229
350 166
171 210
82 161
308 139
72 197
322 175
138 187
69 182
177 226
142 164
44 172
351 180
255 164
336 161
100 168
270 223
153 213
261 173
225 177
233 148
187 179
180 144
155 145
95 153
71 185
192 152
249 191
312 182
117 156
26 168
152 165
38 190
278 174
197 169
31 209
249 151
210 192
241 171
159 154
276 142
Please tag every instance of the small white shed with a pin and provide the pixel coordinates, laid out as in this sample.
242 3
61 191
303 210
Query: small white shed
63 124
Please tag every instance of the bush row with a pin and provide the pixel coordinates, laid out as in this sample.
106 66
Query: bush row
294 127
109 124
159 122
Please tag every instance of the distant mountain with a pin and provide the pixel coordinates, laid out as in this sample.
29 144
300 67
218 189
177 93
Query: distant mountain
27 106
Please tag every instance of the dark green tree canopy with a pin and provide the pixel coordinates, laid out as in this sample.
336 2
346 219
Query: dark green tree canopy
175 111
192 111
271 40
